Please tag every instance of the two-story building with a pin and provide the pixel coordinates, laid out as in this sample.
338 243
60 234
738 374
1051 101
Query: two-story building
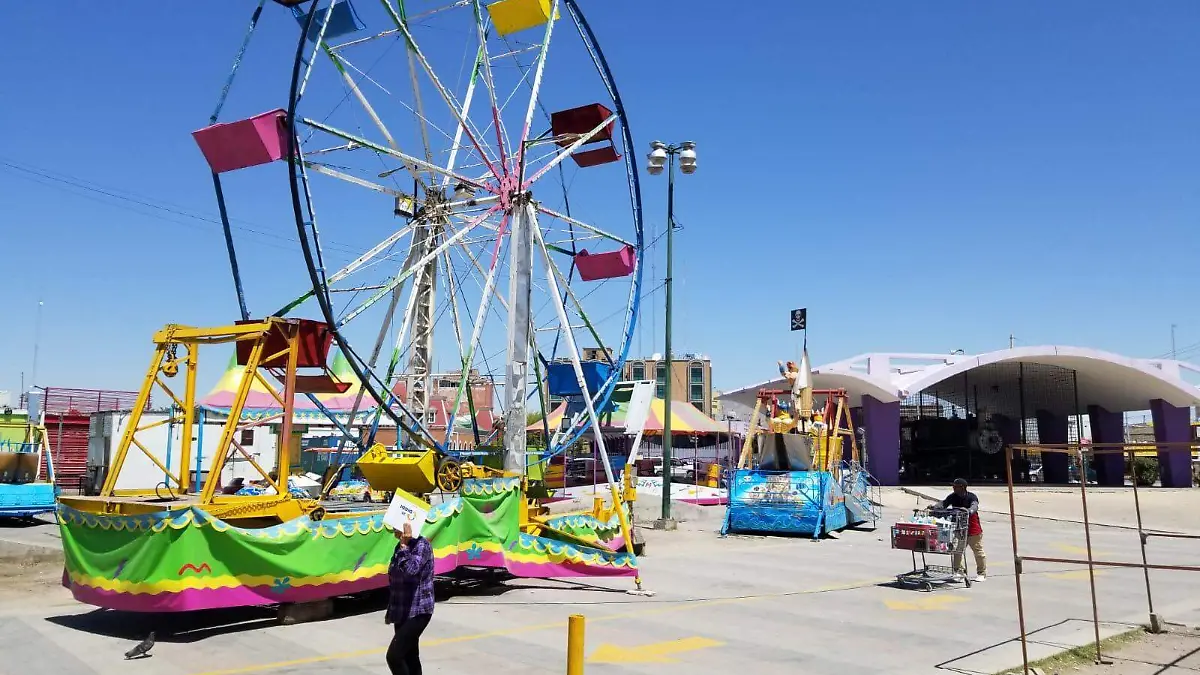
691 377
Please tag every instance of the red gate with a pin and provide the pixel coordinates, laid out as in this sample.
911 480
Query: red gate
68 418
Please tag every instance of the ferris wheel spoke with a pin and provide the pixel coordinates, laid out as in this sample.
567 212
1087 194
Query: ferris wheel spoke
489 82
480 320
340 62
579 223
413 269
352 267
341 175
466 110
482 273
420 111
573 351
568 292
437 83
464 361
536 88
360 141
312 56
398 353
583 138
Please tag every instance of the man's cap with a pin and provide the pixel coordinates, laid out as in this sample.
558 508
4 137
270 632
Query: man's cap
960 482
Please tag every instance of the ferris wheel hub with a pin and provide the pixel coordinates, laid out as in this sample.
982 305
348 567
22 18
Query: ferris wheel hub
510 192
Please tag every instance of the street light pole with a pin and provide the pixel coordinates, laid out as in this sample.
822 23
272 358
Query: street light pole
37 342
666 452
661 154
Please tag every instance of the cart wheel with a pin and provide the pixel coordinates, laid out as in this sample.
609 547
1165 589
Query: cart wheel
449 475
928 587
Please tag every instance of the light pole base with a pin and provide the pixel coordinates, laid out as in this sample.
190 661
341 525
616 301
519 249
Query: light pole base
1156 624
666 524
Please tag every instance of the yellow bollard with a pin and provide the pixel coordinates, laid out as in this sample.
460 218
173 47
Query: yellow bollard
575 645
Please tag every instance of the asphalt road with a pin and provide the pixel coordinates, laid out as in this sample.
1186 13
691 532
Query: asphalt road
751 604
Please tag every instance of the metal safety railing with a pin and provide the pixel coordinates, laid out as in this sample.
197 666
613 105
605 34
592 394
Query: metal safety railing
1082 454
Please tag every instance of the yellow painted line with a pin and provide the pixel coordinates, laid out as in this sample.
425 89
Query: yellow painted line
673 606
659 652
1079 550
933 603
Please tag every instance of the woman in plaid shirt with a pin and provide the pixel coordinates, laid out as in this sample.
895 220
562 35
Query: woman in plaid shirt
410 602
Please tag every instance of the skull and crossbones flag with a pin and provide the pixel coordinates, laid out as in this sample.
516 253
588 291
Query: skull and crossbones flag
800 319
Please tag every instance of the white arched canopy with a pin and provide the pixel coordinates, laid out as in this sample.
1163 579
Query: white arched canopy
1113 382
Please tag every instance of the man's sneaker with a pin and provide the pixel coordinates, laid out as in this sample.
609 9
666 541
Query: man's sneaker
980 578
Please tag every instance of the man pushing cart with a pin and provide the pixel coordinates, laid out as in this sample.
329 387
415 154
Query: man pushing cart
961 498
947 529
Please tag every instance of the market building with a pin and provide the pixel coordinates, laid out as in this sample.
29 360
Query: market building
929 418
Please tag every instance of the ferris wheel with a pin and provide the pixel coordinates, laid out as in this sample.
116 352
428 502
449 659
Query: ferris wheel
478 249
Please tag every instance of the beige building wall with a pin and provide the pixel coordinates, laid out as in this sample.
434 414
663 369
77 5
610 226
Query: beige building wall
691 378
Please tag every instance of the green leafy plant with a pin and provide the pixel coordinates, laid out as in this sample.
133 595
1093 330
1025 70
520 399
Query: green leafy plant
1144 470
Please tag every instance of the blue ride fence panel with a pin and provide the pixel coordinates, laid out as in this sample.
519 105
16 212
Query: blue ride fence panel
785 502
862 495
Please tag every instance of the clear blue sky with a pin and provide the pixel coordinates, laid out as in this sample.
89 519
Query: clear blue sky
923 176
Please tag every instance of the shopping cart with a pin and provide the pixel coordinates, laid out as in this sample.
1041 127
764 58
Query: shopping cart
934 531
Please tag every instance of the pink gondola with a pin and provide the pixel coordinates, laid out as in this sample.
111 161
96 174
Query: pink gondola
610 265
228 146
568 125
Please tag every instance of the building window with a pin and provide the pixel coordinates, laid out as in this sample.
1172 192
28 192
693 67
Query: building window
660 380
699 405
696 385
431 417
637 371
247 437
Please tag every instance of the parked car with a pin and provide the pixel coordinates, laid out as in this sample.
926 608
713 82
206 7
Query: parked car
680 469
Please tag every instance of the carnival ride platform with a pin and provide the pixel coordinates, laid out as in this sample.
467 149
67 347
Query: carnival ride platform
27 500
794 476
24 491
786 502
186 559
180 547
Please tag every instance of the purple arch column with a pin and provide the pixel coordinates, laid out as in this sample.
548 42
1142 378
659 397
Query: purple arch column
1053 429
882 423
1107 427
1172 424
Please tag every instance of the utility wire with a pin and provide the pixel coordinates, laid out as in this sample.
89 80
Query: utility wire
59 180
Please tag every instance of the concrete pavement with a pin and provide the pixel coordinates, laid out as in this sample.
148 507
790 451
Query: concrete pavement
755 604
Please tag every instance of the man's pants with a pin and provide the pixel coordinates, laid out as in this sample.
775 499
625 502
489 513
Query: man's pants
975 541
403 658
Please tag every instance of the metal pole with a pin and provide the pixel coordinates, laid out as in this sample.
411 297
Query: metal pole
967 421
1087 533
37 340
575 626
1012 523
1173 353
666 453
1078 412
58 451
1021 403
1155 624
